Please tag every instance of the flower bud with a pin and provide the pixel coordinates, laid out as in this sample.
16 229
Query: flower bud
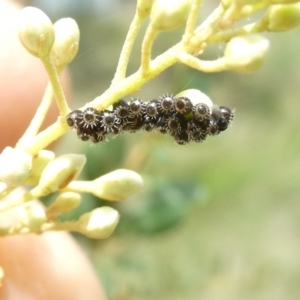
35 31
246 53
168 15
99 223
282 17
196 97
15 165
64 203
144 6
66 42
33 217
39 162
117 185
61 171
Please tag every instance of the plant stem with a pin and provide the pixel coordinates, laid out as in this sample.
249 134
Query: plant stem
208 28
227 35
133 83
56 86
46 137
202 65
127 47
191 21
79 186
149 38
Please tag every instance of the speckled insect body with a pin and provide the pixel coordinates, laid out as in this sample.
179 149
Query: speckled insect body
177 117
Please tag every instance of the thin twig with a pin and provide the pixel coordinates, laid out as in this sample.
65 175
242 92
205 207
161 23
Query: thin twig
46 137
150 35
209 66
191 21
56 86
127 47
227 35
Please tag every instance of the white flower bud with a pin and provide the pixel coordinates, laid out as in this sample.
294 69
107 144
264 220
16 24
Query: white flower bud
168 15
64 203
39 162
15 165
282 17
196 97
60 172
117 185
33 217
246 53
36 32
66 42
99 223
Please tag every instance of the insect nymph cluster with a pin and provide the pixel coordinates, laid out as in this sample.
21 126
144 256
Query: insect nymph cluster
182 117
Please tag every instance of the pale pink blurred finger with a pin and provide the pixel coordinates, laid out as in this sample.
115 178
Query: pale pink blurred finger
50 266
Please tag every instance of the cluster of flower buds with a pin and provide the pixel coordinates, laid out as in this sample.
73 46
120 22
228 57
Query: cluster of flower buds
184 118
41 38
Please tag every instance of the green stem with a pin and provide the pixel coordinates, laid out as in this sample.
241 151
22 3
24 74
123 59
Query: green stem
56 86
191 21
79 186
231 15
227 35
208 28
150 35
127 47
210 66
47 136
134 82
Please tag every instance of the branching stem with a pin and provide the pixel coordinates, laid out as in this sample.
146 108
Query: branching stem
150 35
56 86
191 21
127 47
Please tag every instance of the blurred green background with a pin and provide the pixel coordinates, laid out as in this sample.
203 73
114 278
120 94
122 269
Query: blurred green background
218 220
